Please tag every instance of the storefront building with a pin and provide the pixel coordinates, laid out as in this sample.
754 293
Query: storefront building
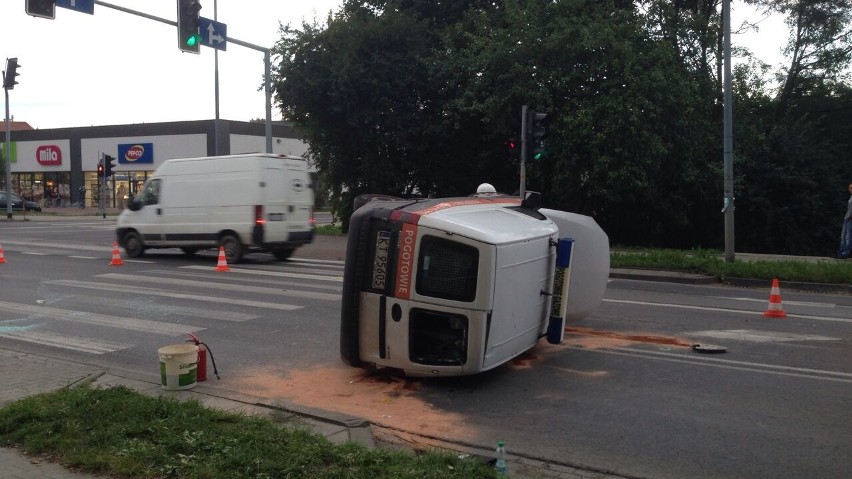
59 167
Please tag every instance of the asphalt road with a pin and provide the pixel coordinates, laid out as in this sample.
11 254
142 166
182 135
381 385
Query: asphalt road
624 394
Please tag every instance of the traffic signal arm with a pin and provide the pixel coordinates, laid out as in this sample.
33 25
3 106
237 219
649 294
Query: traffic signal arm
189 39
109 165
10 73
537 124
41 8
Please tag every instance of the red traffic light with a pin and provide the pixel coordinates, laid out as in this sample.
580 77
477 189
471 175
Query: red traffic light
100 169
511 143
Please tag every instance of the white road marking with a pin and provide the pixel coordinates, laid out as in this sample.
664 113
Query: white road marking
280 274
704 360
724 310
65 341
231 288
171 294
84 317
758 336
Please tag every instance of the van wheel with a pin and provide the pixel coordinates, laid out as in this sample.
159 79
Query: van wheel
283 253
233 248
189 251
133 245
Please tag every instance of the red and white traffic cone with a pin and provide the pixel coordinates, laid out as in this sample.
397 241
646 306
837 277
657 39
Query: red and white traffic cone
2 256
775 310
116 256
223 263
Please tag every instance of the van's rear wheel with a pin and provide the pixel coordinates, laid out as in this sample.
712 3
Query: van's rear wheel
233 248
133 245
283 253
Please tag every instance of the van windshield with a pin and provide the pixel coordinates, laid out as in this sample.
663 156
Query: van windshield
447 269
151 193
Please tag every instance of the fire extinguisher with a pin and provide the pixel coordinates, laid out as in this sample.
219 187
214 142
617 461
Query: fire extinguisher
201 371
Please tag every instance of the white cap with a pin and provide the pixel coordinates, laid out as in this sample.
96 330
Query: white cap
486 188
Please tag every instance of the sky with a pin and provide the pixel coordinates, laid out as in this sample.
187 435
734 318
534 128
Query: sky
115 68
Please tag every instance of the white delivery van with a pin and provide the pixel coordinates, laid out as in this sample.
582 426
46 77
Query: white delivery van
251 202
457 286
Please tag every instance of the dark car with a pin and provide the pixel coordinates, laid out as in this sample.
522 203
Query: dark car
18 203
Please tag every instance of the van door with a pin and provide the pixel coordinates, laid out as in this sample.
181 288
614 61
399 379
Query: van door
148 220
423 300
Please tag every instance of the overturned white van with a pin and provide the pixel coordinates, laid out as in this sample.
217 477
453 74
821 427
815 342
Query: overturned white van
242 203
457 286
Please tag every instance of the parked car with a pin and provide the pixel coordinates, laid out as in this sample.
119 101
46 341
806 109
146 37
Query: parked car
18 203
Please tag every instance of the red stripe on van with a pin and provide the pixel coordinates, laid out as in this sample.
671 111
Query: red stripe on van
405 261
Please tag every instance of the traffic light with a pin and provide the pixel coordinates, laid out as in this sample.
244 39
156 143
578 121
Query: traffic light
10 73
189 40
101 168
536 133
109 165
41 8
512 149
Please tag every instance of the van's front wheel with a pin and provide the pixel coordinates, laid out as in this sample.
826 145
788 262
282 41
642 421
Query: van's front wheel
233 248
133 245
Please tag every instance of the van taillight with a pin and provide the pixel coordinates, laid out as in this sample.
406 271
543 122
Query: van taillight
313 219
258 215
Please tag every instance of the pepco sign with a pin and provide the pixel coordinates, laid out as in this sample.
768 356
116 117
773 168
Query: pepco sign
133 153
49 155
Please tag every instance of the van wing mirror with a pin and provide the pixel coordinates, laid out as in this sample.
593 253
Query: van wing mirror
134 204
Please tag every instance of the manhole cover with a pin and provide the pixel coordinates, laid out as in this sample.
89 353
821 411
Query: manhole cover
708 348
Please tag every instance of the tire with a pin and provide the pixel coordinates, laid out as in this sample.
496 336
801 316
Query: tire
189 251
362 200
233 248
133 244
283 253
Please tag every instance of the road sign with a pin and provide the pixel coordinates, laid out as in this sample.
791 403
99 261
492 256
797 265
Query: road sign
213 34
85 6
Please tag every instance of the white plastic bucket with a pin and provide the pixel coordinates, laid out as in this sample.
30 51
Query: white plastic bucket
178 366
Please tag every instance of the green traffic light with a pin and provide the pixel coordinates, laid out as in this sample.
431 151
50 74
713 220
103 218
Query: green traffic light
193 40
538 155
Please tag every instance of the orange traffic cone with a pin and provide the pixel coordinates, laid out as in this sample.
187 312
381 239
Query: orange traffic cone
223 263
774 310
116 256
2 257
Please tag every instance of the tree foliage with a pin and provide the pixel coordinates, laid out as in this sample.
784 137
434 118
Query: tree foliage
417 97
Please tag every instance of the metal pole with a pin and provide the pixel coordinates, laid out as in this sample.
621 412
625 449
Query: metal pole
8 155
267 75
523 173
728 143
216 86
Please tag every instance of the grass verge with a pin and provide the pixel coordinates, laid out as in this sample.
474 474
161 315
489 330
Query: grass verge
713 263
119 432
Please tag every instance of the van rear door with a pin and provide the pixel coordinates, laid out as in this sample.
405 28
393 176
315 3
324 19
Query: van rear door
287 203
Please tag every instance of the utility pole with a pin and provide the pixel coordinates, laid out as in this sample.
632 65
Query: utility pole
524 141
728 141
9 83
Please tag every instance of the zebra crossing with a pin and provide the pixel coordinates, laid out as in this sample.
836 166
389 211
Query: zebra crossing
103 313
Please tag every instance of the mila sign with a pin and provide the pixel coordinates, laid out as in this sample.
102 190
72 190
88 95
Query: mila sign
48 155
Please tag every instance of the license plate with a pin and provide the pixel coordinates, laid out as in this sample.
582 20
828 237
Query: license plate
380 263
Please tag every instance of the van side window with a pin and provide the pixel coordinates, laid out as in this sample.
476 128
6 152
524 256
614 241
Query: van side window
447 269
151 194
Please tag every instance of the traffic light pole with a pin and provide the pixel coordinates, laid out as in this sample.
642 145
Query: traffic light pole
524 140
266 60
8 154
